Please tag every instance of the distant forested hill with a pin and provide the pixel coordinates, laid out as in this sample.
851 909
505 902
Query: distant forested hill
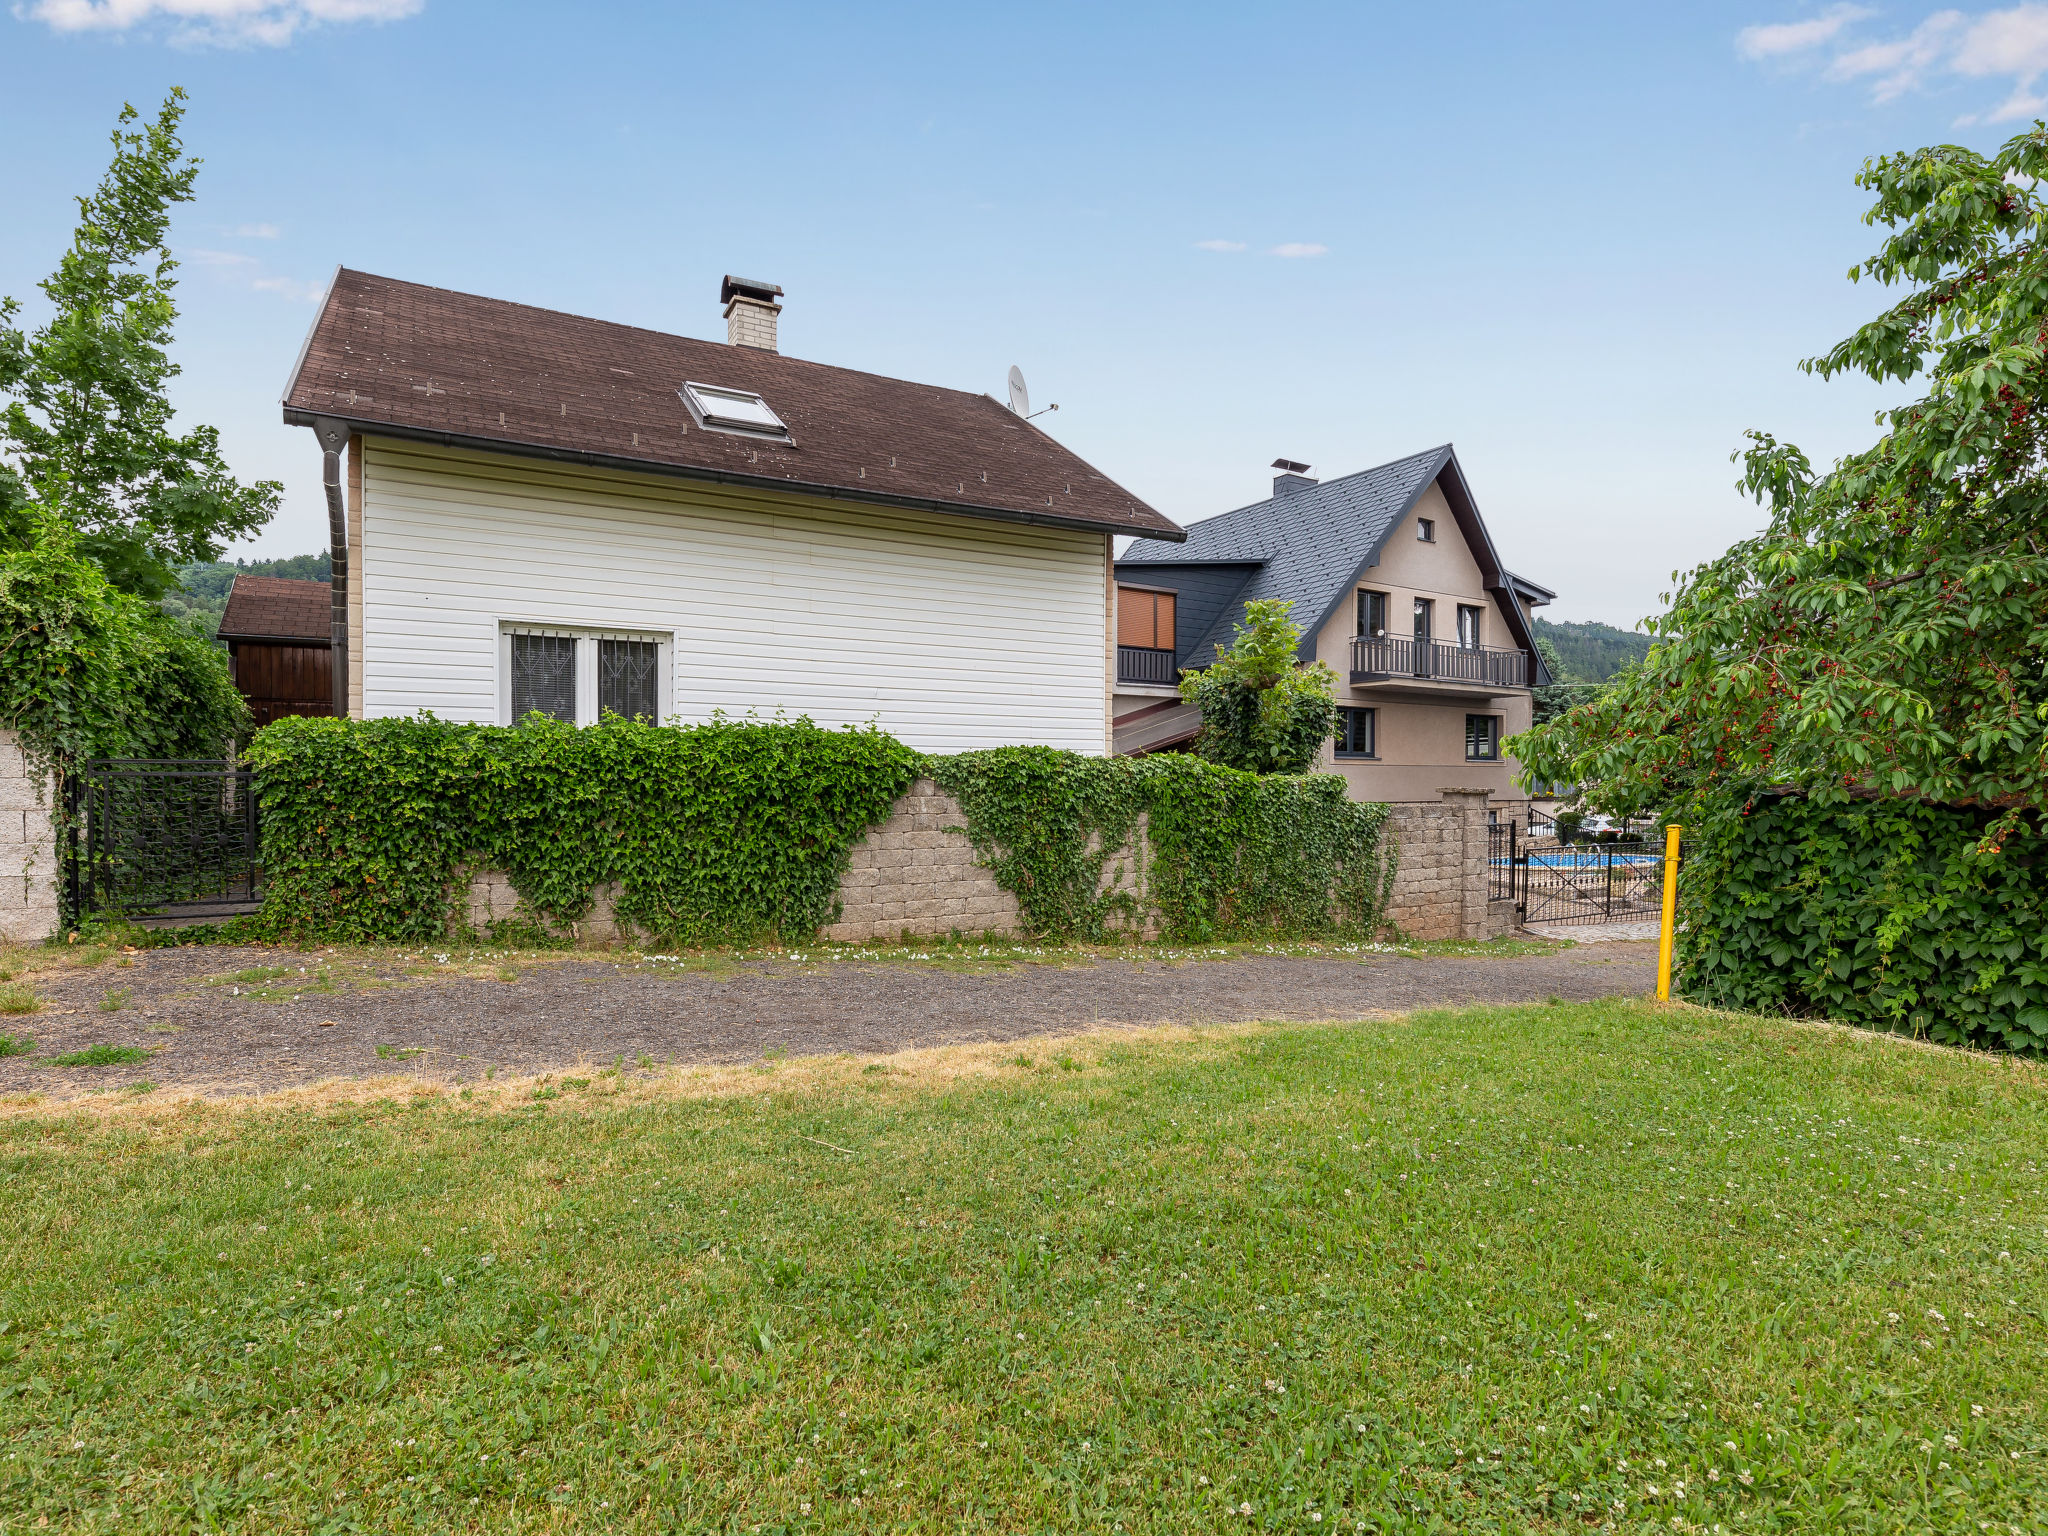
203 585
1592 653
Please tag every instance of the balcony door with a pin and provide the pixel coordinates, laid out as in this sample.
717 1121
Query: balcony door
1144 635
1425 626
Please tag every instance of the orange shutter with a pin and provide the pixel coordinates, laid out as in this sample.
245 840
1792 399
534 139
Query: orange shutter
1162 622
1133 617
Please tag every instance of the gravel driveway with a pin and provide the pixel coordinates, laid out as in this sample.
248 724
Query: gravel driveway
229 1021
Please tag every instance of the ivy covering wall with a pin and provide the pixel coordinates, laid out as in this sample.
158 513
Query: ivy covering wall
87 670
739 832
1877 912
1229 854
726 832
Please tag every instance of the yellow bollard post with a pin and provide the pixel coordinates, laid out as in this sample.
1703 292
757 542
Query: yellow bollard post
1666 935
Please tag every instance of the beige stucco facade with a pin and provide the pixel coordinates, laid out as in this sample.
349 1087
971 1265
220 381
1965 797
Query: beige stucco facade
1420 735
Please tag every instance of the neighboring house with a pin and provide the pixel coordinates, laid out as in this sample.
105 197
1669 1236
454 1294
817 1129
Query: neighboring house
276 632
547 512
1395 585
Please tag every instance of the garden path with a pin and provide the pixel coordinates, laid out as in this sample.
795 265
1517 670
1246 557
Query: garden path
213 1022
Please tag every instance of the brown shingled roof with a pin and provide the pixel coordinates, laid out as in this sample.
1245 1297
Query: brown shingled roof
272 608
406 360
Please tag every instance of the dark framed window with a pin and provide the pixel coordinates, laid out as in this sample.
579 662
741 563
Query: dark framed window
1372 613
1482 738
1425 529
1425 618
544 676
1358 733
628 678
1468 628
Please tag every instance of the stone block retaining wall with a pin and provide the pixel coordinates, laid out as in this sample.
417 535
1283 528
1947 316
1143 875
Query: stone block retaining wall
1440 882
913 877
28 848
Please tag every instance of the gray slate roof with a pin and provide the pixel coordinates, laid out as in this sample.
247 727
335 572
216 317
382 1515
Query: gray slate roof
1308 545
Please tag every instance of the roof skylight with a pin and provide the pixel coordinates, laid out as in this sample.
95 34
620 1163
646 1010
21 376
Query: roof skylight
732 410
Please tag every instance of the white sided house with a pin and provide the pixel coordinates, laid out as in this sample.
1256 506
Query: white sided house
539 511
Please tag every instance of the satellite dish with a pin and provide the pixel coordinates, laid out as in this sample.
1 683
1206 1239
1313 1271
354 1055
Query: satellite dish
1020 397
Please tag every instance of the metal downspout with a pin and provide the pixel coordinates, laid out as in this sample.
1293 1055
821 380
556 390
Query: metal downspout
333 437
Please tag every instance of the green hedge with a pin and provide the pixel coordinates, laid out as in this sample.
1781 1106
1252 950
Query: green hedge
87 670
1880 913
735 832
717 833
1234 855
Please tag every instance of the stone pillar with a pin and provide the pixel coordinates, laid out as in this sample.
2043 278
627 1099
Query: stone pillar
1469 805
28 848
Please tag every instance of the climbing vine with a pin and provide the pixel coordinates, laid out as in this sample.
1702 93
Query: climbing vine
87 670
1048 825
733 832
1884 912
1227 854
725 832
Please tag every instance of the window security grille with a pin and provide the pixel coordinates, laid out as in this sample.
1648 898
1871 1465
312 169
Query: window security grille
628 672
544 676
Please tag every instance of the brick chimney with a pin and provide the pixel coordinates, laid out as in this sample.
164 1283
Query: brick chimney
750 311
1293 477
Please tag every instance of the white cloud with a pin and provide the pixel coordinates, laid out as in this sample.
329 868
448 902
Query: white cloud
256 231
1298 248
242 270
1780 38
212 22
1903 64
291 288
2009 44
1219 245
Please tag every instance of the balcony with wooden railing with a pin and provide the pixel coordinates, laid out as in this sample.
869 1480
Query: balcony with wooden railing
1436 665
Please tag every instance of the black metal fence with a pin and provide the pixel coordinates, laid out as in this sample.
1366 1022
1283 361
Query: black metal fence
1554 883
1145 664
1375 657
162 839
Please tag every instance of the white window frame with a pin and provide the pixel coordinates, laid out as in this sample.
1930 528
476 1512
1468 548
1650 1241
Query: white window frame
586 665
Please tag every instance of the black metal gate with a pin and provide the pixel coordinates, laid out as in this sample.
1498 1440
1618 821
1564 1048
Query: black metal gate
1592 883
163 841
1553 882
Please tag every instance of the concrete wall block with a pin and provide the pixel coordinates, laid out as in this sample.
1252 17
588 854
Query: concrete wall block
19 791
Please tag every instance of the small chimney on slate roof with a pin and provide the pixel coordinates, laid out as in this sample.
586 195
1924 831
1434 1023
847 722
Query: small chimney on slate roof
750 311
1292 477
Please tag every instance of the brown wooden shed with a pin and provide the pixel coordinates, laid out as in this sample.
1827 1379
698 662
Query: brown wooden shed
279 640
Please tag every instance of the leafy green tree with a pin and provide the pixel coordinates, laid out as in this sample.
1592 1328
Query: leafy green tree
1591 652
87 670
1887 633
1262 710
88 422
1564 691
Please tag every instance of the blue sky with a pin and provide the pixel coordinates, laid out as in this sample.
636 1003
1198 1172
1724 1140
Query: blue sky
1588 244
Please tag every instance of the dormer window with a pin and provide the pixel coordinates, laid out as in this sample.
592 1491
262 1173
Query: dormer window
717 409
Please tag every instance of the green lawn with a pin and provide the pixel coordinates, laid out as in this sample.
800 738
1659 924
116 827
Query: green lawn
1542 1268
